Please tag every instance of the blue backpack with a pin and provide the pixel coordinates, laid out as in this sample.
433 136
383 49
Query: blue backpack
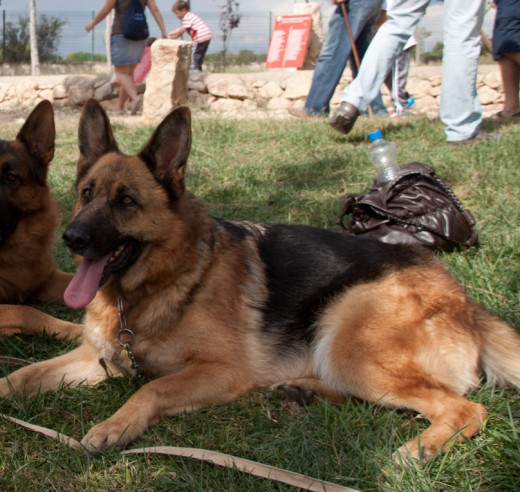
135 26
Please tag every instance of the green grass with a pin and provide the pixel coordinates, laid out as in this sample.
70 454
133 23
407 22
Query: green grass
287 171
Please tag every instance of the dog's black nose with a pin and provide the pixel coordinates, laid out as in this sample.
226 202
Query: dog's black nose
76 237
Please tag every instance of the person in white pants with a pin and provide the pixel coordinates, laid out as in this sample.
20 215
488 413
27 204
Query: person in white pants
460 109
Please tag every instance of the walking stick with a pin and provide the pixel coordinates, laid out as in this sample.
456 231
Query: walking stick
353 45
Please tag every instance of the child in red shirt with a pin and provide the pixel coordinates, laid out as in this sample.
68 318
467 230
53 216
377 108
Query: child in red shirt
196 28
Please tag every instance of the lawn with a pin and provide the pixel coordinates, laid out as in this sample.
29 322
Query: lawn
286 171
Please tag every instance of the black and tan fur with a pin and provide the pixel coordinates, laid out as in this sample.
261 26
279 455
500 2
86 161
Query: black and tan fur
29 220
222 308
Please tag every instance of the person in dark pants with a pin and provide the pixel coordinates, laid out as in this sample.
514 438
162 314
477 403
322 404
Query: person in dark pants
196 28
336 52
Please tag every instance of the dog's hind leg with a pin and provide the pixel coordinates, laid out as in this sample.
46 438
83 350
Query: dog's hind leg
453 419
406 342
25 320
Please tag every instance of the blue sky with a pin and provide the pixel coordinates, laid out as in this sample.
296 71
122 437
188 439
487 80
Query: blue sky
246 37
201 5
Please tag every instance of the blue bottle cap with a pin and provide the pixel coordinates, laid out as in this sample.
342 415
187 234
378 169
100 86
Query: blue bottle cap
410 101
375 135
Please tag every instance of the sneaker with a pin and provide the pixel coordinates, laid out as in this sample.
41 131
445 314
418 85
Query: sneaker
344 117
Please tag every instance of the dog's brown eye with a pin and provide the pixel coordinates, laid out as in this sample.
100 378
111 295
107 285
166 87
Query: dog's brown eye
86 194
127 200
12 178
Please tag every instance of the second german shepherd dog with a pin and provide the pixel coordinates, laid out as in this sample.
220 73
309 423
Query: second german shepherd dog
29 219
212 309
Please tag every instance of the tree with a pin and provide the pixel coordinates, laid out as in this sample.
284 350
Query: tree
246 57
17 39
35 59
435 55
229 20
49 34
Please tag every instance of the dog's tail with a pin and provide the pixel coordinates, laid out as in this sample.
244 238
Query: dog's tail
500 356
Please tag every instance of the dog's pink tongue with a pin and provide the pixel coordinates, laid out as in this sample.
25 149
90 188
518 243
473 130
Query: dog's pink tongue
82 288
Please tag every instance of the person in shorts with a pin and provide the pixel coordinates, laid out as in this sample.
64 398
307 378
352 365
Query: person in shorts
506 51
126 53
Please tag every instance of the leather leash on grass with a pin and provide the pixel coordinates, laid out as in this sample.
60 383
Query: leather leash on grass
214 457
14 361
353 46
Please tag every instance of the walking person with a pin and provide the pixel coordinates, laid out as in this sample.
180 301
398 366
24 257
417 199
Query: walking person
126 53
336 52
460 109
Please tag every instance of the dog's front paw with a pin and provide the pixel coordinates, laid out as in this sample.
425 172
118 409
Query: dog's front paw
112 433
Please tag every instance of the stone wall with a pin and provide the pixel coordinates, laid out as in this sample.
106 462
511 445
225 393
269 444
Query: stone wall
263 94
275 92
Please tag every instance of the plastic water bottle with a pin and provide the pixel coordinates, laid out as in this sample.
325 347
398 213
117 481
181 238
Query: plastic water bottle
383 156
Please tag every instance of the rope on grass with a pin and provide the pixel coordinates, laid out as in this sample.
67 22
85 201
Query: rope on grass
69 441
14 361
246 466
213 457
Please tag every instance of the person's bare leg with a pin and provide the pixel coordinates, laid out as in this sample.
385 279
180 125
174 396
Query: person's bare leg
125 75
121 100
510 72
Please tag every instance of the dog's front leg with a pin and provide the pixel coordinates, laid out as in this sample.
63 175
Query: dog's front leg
81 366
25 320
196 386
54 287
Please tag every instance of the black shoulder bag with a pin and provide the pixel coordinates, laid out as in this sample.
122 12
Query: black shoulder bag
416 207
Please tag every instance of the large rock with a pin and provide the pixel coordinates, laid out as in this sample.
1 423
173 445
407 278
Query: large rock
493 80
270 90
238 90
167 82
488 95
298 85
79 89
218 83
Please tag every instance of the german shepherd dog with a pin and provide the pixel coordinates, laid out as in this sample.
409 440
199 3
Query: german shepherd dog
212 309
29 220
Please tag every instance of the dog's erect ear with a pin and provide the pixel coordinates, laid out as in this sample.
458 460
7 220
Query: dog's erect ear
94 135
167 151
39 133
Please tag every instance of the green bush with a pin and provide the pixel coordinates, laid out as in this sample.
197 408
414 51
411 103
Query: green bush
83 56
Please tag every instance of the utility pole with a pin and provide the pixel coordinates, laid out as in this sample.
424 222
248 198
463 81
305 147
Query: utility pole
35 59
